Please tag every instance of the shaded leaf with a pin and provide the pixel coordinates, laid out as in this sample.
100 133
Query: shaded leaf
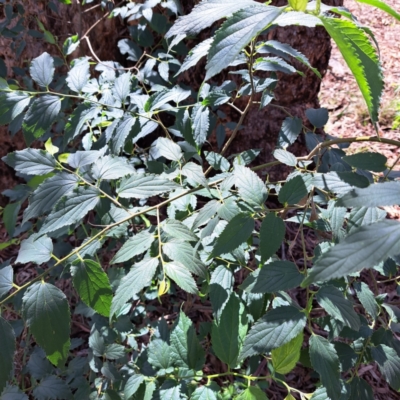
36 248
7 349
272 234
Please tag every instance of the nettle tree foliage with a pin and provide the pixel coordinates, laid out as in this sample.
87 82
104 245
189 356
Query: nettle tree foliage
189 226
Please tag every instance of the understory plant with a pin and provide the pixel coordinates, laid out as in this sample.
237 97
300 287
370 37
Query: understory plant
176 259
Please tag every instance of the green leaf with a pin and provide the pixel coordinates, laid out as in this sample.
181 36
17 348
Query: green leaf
251 188
114 351
375 162
122 87
71 209
225 336
379 194
159 354
134 246
169 149
291 128
362 59
364 216
272 234
365 248
204 15
41 115
52 387
72 43
272 277
132 385
181 275
196 54
325 361
12 105
92 285
6 279
337 306
178 230
78 75
284 358
46 312
217 161
252 393
285 157
194 173
389 364
10 215
122 132
144 186
42 69
200 124
221 286
319 117
367 299
138 278
238 230
293 191
13 393
7 350
236 33
185 346
208 392
206 213
360 389
109 167
48 193
36 249
383 6
276 328
31 161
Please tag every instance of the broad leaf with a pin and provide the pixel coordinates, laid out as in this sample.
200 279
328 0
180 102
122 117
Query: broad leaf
92 285
42 69
195 174
362 59
196 54
110 167
293 191
389 364
272 234
46 312
375 162
365 248
132 385
181 275
6 279
12 105
178 230
364 216
285 157
79 75
208 392
360 389
284 358
221 286
36 249
138 278
251 188
200 124
144 186
326 362
319 117
238 230
31 161
159 354
236 33
169 149
7 349
252 393
367 299
52 387
337 306
71 209
185 347
276 328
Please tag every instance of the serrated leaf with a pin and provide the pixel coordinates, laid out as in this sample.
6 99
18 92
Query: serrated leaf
204 15
273 64
92 285
71 209
389 364
52 388
159 354
367 299
238 230
293 191
78 75
200 124
285 157
185 346
10 215
285 358
144 186
12 105
169 149
42 69
318 116
206 213
272 234
375 162
170 390
181 276
208 392
41 115
114 351
364 216
178 230
225 337
122 87
379 194
325 361
7 350
121 133
252 393
360 389
194 173
195 55
46 312
365 248
49 193
236 33
273 277
80 159
31 161
36 249
138 278
337 306
221 286
251 188
132 385
276 328
217 161
6 280
13 393
134 246
109 167
362 59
